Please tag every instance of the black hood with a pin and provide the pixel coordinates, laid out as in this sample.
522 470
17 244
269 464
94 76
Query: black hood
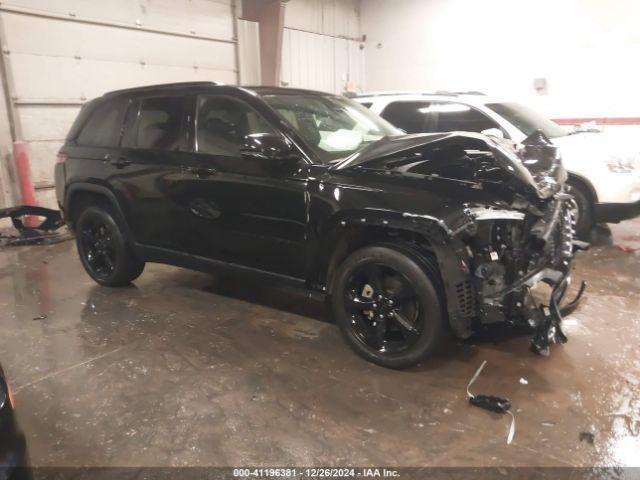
534 165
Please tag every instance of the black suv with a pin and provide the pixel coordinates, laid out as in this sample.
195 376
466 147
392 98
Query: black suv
408 235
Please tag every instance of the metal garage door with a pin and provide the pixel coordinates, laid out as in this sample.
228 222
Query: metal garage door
320 62
62 52
321 45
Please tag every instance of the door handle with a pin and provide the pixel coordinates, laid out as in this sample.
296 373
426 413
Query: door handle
118 162
201 172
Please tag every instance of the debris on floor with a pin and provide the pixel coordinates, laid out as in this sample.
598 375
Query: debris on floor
48 231
492 403
524 381
587 437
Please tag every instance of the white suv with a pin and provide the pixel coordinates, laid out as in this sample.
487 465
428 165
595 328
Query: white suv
604 179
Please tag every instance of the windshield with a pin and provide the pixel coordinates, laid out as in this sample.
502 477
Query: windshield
334 127
527 120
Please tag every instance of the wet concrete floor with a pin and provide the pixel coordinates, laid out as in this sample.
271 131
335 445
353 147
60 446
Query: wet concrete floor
186 368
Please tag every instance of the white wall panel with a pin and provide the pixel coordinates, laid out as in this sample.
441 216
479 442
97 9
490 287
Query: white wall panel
78 59
201 17
46 122
319 50
249 52
68 51
587 50
43 159
71 79
327 17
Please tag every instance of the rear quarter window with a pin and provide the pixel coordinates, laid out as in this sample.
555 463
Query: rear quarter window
411 116
104 125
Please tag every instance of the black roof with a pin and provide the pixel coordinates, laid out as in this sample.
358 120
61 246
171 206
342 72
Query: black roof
163 86
260 90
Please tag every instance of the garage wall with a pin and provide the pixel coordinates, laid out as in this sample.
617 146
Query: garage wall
63 52
322 45
586 49
6 192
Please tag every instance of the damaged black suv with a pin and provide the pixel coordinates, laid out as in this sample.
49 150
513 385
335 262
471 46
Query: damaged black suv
410 236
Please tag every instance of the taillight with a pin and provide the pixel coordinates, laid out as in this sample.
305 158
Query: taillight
62 157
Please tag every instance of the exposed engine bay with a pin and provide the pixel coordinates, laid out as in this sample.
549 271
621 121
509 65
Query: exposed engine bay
499 222
509 251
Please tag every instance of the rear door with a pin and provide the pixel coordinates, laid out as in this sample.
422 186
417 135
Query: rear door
147 169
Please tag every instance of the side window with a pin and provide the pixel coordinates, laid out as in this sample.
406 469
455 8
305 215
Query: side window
223 122
366 104
412 117
104 125
456 116
160 123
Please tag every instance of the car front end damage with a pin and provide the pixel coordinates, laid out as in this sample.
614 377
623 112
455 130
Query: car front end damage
499 221
508 252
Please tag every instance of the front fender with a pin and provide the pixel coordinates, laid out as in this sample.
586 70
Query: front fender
435 234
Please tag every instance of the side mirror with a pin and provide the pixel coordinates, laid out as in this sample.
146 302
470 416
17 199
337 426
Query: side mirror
267 146
493 132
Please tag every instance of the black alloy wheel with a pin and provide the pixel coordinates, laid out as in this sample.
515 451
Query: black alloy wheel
103 250
383 307
98 246
387 304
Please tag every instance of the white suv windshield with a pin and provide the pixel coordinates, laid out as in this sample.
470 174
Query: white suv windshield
334 127
527 120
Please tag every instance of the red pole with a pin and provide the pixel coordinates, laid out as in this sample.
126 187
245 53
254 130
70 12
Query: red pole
28 192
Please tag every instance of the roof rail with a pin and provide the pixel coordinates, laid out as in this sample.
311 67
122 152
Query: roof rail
415 92
163 86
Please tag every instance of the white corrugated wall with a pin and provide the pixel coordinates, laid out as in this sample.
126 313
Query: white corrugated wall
62 52
321 46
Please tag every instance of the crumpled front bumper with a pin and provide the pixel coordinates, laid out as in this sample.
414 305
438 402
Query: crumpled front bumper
553 234
615 212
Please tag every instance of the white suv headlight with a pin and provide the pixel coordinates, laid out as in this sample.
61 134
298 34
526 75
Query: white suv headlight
622 163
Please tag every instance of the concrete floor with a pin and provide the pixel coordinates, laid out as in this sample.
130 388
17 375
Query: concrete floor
188 369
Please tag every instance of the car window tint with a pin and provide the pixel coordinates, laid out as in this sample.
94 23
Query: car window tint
222 124
410 116
456 116
104 125
160 123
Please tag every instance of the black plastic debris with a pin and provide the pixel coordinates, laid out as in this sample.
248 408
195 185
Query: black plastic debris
587 437
47 232
549 318
492 403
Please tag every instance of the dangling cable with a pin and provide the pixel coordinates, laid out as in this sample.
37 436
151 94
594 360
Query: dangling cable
492 403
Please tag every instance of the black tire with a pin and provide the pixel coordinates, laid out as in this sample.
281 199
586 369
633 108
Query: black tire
105 254
426 314
583 210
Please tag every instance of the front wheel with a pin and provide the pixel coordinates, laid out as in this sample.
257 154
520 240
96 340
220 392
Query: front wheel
387 305
103 250
580 208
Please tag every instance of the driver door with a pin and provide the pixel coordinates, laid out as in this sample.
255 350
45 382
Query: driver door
242 210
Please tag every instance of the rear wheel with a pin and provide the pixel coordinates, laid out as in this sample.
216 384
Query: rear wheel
103 250
387 305
581 210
